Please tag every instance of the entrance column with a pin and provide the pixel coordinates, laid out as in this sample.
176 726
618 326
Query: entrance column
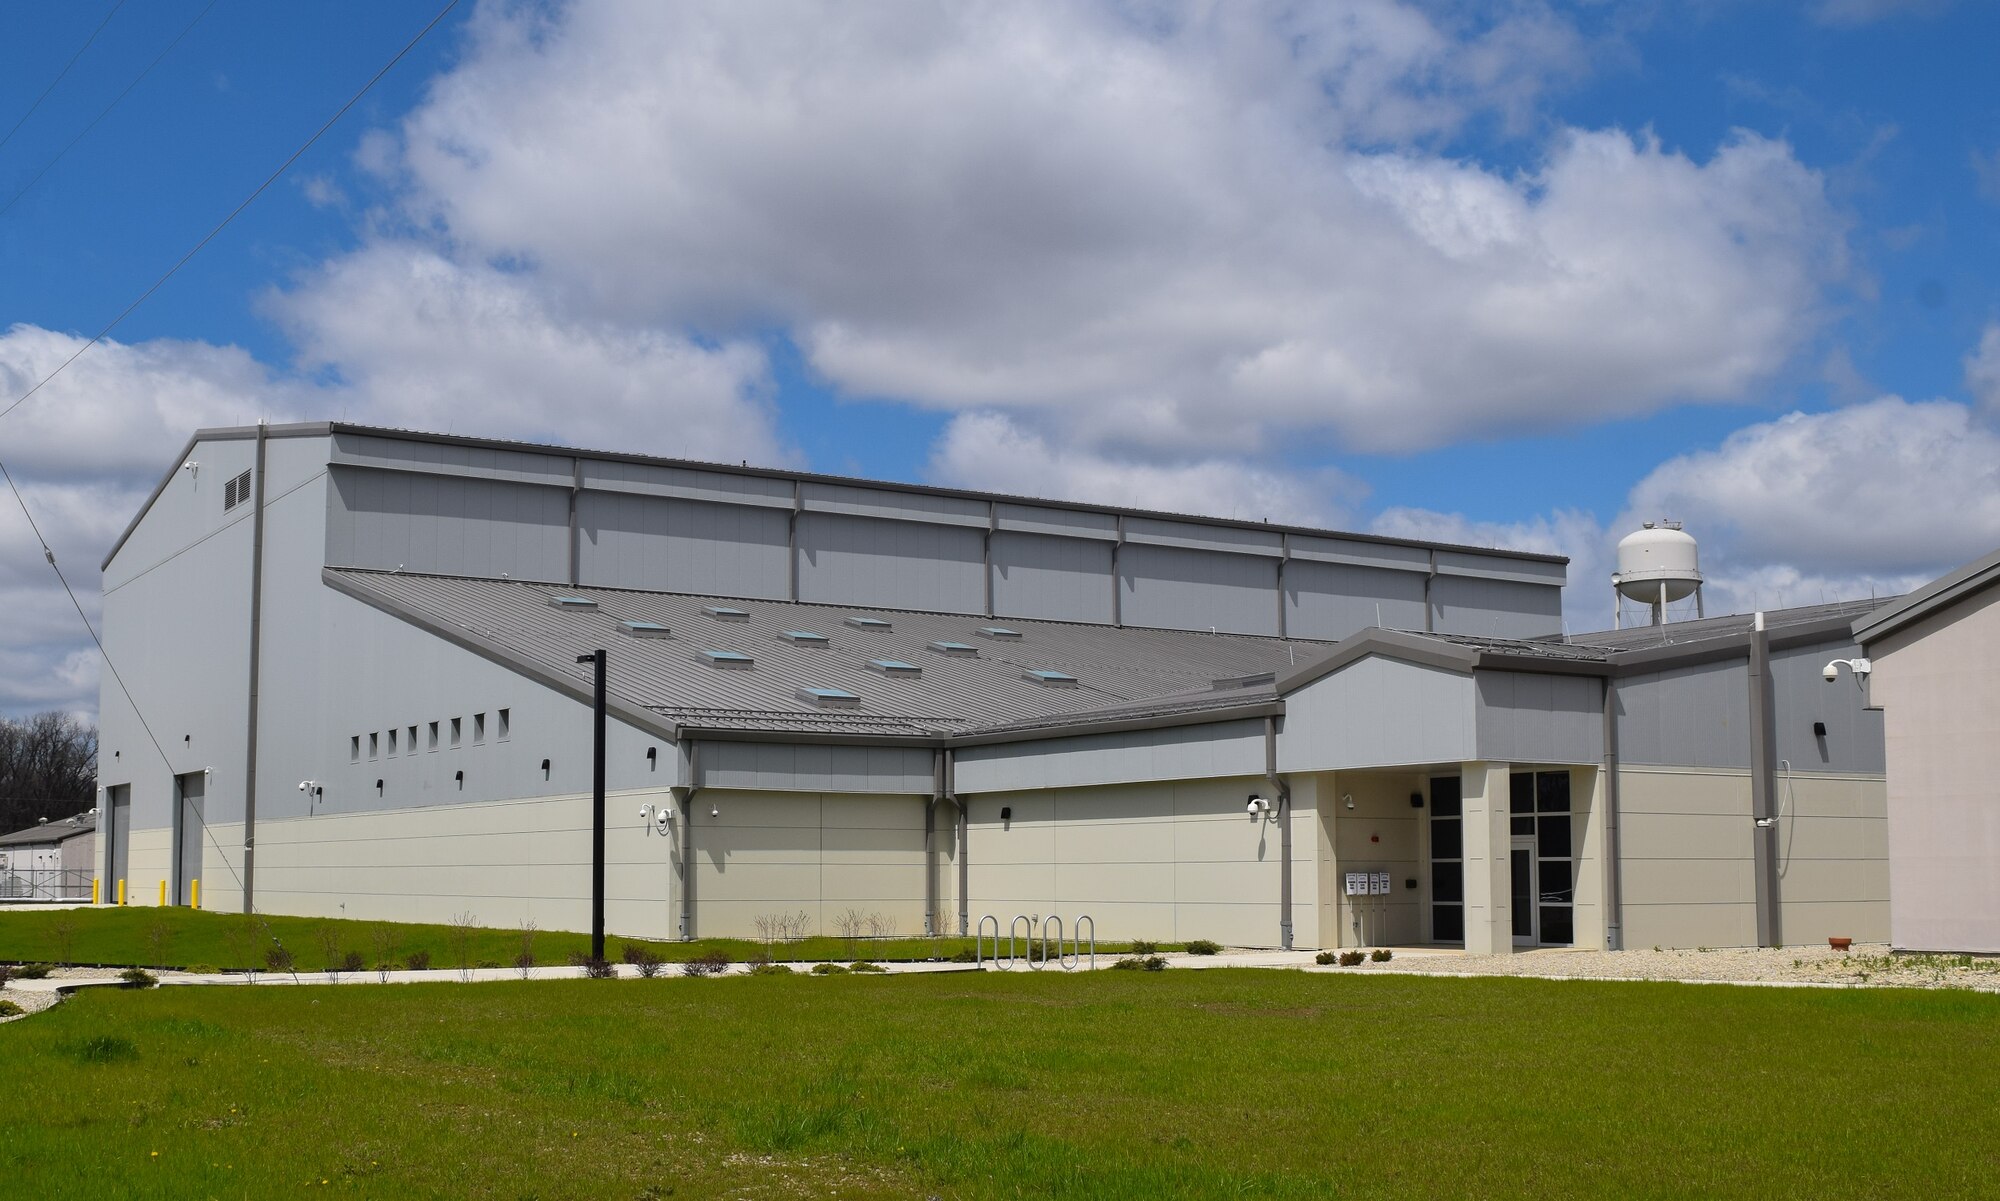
1489 924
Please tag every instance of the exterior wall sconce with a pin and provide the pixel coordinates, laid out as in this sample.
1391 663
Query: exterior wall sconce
545 769
459 777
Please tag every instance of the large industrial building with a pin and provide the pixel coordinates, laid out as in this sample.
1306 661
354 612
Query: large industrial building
352 663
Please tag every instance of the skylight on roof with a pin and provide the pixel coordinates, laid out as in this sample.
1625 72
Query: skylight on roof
998 632
894 667
868 623
572 602
644 629
1053 679
725 613
804 637
964 650
735 660
829 698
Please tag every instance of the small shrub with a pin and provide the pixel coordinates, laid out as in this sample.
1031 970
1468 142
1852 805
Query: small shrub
648 963
829 969
32 971
202 969
865 967
6 970
62 932
599 969
1155 963
463 927
709 963
1381 955
418 961
1202 946
630 952
352 961
277 958
524 963
1145 946
1350 958
965 955
1138 963
138 977
771 969
487 965
1324 958
10 1010
383 939
525 958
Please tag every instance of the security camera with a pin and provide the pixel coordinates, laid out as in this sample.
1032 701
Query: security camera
1832 672
645 811
1257 805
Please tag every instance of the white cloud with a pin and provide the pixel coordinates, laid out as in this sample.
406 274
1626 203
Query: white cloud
1852 13
992 452
1171 230
1982 370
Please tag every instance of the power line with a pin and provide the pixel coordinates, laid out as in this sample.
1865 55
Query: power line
22 501
85 132
260 189
60 75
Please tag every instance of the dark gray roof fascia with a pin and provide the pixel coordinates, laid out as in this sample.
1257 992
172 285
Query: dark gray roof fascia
1727 646
1390 644
632 715
342 427
1939 594
1268 707
224 433
1544 664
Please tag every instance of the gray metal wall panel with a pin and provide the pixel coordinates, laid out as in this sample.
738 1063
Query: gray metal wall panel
1058 579
1180 589
1219 749
783 767
1495 608
1499 566
188 510
516 466
1378 712
892 564
1854 738
688 483
1686 717
447 525
893 506
1193 536
1363 554
1071 523
1333 600
1531 718
656 543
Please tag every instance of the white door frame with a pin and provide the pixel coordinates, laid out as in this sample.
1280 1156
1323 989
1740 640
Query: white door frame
1516 845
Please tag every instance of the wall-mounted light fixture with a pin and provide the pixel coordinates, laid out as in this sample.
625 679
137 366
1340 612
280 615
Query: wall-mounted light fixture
1819 729
1416 800
459 777
545 769
652 758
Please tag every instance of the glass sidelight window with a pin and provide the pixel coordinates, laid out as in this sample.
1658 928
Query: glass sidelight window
1544 859
1447 812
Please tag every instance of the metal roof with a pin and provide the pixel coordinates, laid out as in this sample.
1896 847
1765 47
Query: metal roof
1678 633
1112 666
1941 593
56 830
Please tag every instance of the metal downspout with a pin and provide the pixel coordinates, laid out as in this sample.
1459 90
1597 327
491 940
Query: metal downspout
1430 624
1117 575
930 844
575 502
687 840
964 852
1763 786
792 538
1614 884
1284 792
256 668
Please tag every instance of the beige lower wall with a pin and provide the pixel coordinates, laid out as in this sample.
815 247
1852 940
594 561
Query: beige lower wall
777 853
1380 834
1172 861
1689 880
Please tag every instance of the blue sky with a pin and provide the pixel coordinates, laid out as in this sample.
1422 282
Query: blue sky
1515 274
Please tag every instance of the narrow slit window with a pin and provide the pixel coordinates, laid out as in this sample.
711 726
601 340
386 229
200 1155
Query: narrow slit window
434 736
410 744
354 749
506 721
478 728
392 744
374 747
456 724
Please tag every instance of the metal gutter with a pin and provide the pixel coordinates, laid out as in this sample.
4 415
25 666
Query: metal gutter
692 759
1763 787
256 668
1940 593
930 844
1284 791
964 844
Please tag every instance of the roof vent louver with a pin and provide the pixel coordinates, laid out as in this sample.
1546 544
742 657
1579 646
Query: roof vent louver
582 604
999 633
804 637
894 667
962 650
729 660
829 698
869 623
644 629
725 613
1051 679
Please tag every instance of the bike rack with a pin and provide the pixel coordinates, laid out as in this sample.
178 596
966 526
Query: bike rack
1076 945
979 943
1027 939
1038 964
1021 935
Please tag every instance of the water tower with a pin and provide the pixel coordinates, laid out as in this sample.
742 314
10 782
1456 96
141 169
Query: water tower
1656 566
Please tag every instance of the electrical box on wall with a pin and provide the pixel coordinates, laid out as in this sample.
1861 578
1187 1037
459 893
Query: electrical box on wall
1378 884
1357 884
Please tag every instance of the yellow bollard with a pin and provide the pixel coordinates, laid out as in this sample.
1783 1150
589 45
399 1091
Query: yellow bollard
194 894
96 886
121 891
163 893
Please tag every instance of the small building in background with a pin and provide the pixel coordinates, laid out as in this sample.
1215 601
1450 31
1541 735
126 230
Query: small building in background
49 861
1933 668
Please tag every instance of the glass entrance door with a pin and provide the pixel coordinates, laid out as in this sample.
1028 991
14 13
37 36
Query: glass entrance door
1523 891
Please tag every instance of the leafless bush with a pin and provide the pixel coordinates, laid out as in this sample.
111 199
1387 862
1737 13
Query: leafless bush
849 925
881 925
329 950
240 939
460 937
62 934
525 961
783 927
383 938
159 935
710 963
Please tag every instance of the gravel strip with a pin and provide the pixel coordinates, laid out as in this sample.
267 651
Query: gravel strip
1865 965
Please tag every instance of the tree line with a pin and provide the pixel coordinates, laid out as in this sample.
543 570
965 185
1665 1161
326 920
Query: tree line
48 768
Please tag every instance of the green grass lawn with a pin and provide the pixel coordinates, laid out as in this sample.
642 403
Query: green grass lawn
1142 1085
181 938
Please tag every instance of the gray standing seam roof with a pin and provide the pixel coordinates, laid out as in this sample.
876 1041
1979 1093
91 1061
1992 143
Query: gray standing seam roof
53 830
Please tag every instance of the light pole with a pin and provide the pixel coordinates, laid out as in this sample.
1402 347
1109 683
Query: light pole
596 660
